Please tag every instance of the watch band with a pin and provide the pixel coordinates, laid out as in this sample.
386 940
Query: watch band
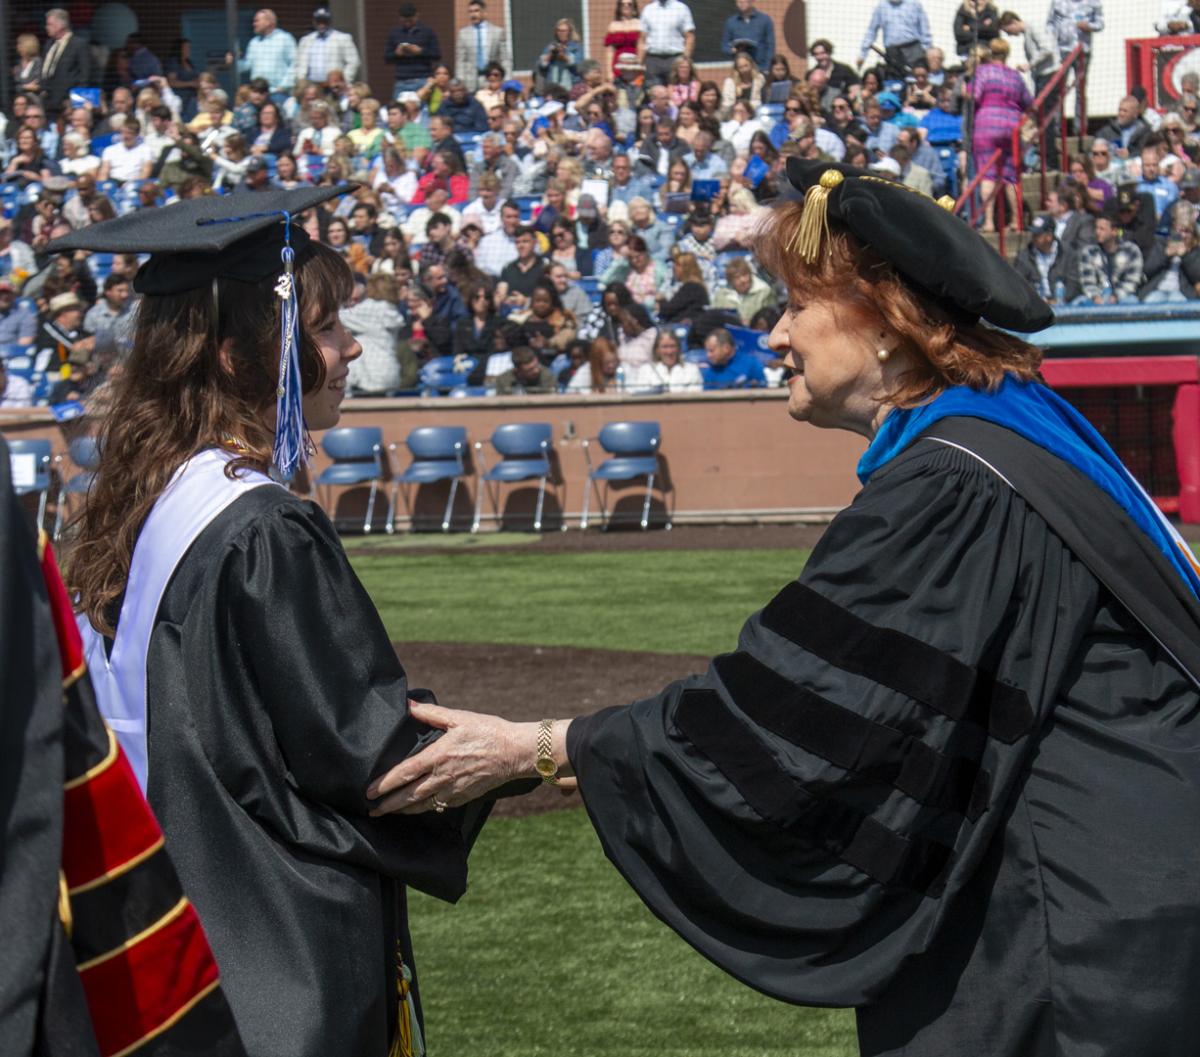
545 766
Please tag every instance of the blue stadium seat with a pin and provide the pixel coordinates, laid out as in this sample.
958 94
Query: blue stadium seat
438 454
85 454
528 204
460 391
524 449
8 351
591 286
633 447
31 468
357 454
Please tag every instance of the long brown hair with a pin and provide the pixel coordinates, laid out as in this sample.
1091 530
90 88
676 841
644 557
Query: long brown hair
946 350
198 376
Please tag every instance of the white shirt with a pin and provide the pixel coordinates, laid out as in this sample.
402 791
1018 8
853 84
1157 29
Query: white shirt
126 163
495 251
414 227
487 219
665 25
1174 11
17 393
682 377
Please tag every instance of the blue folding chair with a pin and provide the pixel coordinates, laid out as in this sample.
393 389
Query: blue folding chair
357 454
85 454
524 450
633 447
31 468
438 454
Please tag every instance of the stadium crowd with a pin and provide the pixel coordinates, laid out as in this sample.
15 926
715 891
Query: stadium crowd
587 231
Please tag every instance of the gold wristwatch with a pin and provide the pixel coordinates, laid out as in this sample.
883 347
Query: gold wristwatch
545 765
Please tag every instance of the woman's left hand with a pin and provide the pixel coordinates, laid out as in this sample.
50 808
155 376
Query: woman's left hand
477 754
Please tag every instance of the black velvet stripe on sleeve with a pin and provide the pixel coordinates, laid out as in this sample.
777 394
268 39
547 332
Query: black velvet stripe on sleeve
107 915
206 1028
849 740
898 661
728 742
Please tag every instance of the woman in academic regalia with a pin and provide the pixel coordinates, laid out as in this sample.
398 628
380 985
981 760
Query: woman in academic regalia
951 775
235 654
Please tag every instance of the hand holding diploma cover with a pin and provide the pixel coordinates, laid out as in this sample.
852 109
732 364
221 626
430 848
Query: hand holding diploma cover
949 775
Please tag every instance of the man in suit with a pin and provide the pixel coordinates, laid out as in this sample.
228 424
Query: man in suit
66 64
325 49
478 44
655 157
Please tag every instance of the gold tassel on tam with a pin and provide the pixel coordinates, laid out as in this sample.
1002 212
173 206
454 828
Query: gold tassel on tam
814 223
408 1041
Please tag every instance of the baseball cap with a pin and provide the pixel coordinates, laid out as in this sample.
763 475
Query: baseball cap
255 165
512 85
408 97
321 14
888 100
408 10
1040 224
888 165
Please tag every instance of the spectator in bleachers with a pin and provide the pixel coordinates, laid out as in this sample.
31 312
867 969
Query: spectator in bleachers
625 186
490 92
1072 22
376 321
1098 192
475 332
1105 166
479 44
881 135
749 31
841 76
738 131
15 391
1049 268
29 164
1072 226
319 137
687 295
906 35
911 174
654 158
574 299
446 300
527 375
368 138
667 370
522 274
725 367
1153 183
183 77
1173 272
462 111
1178 17
1001 99
744 292
18 322
412 49
61 339
1127 131
496 162
975 22
623 35
271 55
1189 198
640 273
702 161
78 159
104 318
745 83
438 243
559 62
445 174
485 209
27 70
325 49
1111 269
668 31
66 63
603 372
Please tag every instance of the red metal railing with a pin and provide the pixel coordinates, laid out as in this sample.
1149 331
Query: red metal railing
1045 108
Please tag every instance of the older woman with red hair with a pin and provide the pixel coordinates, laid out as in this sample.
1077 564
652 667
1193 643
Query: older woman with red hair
950 776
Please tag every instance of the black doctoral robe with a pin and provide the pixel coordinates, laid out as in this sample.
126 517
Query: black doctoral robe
946 777
273 697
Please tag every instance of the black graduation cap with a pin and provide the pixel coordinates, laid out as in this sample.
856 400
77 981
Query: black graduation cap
191 243
921 238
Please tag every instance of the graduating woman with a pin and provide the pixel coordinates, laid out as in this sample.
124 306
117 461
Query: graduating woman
950 776
235 654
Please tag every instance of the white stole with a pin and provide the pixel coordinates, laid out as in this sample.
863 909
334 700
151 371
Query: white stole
196 494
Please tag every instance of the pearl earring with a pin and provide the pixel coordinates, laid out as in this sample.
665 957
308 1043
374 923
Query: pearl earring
883 355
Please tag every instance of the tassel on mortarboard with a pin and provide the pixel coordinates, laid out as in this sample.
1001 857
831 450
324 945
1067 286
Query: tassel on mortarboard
291 431
814 222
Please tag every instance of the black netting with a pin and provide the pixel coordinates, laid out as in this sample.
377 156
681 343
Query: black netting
1137 421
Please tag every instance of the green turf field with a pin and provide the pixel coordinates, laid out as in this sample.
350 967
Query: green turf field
668 601
550 953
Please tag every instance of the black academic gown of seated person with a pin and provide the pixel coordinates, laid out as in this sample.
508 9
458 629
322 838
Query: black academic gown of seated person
948 777
273 697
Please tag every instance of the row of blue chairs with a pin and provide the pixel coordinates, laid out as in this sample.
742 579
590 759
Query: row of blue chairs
47 471
438 453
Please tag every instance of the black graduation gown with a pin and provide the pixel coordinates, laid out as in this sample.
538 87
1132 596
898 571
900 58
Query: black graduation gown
274 697
946 778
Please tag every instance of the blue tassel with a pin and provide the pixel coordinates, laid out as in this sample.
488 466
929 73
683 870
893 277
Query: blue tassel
291 431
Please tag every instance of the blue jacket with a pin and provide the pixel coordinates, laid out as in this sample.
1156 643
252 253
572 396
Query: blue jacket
758 28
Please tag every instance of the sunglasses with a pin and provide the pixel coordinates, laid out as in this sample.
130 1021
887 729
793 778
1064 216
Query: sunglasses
1099 154
793 110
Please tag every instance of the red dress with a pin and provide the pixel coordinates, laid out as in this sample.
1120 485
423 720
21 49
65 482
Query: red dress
622 43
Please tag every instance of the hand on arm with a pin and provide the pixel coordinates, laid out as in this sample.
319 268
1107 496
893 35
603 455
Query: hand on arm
476 754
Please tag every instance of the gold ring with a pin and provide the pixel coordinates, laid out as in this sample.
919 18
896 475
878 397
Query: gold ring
439 805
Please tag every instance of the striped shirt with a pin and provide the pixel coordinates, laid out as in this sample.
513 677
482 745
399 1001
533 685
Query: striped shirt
901 23
665 22
1063 23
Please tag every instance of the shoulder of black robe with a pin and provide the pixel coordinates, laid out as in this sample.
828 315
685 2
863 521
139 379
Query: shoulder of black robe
31 777
274 697
828 787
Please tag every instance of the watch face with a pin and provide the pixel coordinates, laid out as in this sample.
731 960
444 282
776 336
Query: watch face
546 768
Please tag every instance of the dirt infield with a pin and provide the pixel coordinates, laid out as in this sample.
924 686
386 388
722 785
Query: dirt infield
529 682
